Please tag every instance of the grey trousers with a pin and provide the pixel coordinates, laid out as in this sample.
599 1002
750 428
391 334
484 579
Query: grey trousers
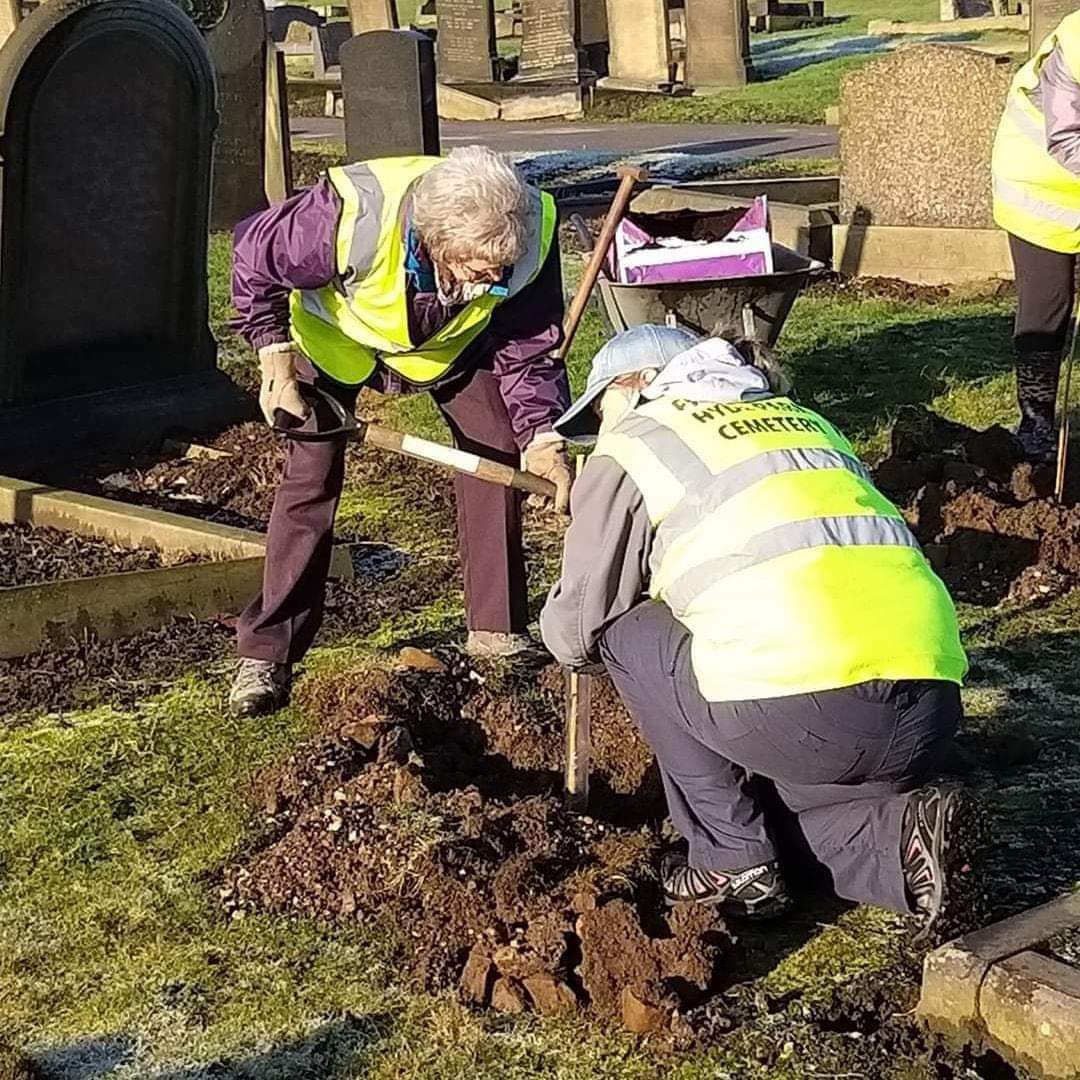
841 761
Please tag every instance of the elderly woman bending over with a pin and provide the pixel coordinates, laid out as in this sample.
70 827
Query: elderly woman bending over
401 274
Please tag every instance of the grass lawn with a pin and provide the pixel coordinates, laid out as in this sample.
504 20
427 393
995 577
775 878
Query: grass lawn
115 958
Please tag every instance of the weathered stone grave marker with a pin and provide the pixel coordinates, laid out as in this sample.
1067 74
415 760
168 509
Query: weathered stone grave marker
1045 15
717 43
913 191
549 41
369 15
281 20
388 83
277 169
640 56
592 17
9 18
238 47
466 46
326 42
107 119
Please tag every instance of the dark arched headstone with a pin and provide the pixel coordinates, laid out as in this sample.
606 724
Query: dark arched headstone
279 19
107 119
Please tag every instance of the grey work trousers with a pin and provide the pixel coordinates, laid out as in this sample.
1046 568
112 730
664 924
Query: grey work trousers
841 760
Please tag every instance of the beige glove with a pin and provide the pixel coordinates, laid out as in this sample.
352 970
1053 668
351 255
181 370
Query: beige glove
546 456
280 388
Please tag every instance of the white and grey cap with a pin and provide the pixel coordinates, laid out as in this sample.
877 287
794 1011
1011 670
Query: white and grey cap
633 350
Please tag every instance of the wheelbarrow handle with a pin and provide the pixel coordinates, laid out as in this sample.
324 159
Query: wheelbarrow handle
348 427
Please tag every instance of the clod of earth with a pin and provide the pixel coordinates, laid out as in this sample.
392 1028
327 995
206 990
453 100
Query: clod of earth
432 805
985 516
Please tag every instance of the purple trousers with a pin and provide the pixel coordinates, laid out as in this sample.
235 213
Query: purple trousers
840 762
282 621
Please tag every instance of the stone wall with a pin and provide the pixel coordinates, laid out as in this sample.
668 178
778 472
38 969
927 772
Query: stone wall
916 137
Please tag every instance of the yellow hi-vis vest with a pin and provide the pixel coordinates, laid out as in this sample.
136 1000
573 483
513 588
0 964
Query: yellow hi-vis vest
792 573
362 318
1036 198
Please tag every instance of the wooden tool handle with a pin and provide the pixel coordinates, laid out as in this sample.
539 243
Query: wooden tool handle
494 472
629 176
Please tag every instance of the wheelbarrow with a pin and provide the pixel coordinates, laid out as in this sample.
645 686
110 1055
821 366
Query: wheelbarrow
753 308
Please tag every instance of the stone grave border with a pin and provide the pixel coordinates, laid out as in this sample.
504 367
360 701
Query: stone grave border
52 614
991 988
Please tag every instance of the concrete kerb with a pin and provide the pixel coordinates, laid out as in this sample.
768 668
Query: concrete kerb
990 988
51 614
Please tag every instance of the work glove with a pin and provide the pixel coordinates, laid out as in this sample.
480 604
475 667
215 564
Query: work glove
546 456
280 388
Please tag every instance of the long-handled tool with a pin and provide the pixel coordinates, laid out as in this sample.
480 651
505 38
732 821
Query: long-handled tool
349 427
1063 430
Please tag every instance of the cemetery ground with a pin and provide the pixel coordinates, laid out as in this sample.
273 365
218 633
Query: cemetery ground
162 912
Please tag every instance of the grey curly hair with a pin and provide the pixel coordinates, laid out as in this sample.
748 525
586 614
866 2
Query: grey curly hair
472 206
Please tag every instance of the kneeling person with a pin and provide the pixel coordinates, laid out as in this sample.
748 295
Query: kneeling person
763 612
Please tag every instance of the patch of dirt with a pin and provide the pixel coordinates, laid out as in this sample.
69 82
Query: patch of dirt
432 804
876 288
31 556
986 518
1064 947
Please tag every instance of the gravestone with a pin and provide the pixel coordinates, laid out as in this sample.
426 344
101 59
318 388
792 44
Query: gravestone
9 18
717 43
1045 15
277 171
107 119
326 42
640 53
388 86
238 47
369 15
466 43
281 19
549 40
917 137
592 18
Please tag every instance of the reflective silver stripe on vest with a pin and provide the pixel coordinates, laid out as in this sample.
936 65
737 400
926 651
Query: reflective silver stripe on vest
1020 198
669 448
735 479
365 238
1028 126
851 531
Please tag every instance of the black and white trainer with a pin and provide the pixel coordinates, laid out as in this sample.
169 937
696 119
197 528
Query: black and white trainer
755 893
942 832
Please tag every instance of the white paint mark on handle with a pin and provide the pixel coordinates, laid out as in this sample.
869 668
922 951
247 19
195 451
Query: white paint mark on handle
445 455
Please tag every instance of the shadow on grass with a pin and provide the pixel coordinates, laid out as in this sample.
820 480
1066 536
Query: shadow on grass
327 1053
862 382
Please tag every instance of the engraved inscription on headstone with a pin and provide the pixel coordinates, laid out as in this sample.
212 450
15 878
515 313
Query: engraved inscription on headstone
107 117
238 46
549 39
466 46
1045 15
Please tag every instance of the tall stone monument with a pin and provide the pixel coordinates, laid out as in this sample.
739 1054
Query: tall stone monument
640 56
717 43
9 18
1045 15
549 41
388 86
368 15
238 47
466 45
277 169
106 128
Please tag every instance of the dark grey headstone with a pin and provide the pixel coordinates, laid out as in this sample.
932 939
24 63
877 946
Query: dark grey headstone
388 86
549 41
238 47
280 19
466 47
717 43
1045 15
107 114
327 41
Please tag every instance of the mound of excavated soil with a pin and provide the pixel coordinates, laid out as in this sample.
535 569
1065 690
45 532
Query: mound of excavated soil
986 518
432 805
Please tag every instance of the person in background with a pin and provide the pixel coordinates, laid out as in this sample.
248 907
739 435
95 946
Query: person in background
401 274
765 615
1036 178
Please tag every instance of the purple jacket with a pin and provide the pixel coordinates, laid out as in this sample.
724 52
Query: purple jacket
292 246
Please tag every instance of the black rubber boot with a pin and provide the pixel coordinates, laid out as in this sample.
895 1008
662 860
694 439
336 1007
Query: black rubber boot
1037 375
